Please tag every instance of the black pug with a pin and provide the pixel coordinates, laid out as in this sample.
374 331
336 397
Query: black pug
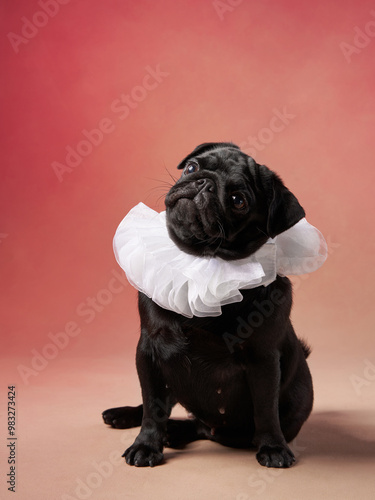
256 392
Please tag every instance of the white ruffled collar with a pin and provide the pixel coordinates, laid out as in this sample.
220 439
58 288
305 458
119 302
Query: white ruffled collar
200 286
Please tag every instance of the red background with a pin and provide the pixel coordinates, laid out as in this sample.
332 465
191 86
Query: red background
226 75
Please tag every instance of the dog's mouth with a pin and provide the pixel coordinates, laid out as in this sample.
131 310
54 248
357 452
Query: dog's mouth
193 220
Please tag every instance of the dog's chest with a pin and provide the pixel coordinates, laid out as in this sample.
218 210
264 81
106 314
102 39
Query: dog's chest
203 375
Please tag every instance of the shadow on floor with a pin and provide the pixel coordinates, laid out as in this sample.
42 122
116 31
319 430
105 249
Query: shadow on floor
345 434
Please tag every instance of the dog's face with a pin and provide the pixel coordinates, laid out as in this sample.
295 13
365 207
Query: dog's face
227 205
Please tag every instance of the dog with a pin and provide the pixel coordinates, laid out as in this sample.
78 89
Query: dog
257 392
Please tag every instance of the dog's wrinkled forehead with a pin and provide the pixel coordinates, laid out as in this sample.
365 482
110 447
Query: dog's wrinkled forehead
226 159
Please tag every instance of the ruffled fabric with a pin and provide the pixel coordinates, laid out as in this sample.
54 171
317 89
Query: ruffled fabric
200 286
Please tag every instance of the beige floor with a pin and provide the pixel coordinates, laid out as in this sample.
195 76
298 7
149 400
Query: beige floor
64 450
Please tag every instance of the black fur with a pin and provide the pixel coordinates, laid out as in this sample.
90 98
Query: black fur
246 382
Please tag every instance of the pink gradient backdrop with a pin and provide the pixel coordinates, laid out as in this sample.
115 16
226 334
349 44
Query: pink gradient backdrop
225 77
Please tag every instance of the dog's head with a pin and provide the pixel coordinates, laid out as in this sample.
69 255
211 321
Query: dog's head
227 205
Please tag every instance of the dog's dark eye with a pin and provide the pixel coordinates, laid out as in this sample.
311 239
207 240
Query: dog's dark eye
238 201
191 167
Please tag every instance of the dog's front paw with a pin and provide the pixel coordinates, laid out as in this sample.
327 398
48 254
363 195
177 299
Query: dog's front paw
143 455
275 456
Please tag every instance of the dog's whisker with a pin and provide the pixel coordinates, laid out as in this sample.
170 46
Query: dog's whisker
220 236
171 176
162 189
261 231
161 197
161 184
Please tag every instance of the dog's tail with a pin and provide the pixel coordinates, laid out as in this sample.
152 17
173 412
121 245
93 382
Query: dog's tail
305 348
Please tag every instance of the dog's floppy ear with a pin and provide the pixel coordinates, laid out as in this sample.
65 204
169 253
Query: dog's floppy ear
284 209
207 146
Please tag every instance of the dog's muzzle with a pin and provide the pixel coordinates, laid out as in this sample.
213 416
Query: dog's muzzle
192 210
196 190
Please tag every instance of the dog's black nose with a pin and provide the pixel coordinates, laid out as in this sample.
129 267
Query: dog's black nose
206 185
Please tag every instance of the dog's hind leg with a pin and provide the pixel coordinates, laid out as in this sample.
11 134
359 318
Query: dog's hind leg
123 417
297 404
183 432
